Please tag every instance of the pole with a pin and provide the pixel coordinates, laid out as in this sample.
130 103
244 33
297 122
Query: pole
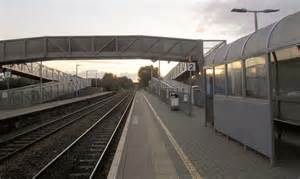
7 75
7 79
86 78
190 106
151 72
76 78
255 21
100 83
77 70
41 81
96 79
159 68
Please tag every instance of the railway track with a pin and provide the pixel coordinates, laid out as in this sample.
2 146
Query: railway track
17 123
15 144
84 156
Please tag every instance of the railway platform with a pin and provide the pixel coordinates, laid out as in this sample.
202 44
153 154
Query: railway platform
7 114
16 120
159 143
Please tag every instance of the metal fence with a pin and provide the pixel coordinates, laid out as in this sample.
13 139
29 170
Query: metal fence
198 97
39 93
185 102
62 84
164 94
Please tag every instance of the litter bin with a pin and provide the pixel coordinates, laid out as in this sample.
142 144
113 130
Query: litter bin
174 101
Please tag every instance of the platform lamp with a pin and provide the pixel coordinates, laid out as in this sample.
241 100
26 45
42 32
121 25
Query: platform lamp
96 81
255 12
77 65
77 94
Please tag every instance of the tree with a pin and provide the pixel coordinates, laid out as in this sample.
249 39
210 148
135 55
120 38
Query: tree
124 82
111 82
145 74
108 82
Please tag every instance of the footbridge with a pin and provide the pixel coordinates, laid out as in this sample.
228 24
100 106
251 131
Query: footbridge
100 47
20 55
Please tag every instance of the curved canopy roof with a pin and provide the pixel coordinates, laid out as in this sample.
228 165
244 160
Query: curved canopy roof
100 47
278 35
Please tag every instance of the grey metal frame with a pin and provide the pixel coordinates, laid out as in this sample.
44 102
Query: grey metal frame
100 47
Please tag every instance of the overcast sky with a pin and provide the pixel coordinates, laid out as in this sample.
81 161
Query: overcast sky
199 19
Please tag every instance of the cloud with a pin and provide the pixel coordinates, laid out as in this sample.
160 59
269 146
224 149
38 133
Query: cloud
206 19
214 17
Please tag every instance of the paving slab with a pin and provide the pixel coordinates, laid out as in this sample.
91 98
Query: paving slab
214 155
148 152
145 154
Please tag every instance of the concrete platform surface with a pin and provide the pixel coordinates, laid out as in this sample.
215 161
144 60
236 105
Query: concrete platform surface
150 148
6 114
146 153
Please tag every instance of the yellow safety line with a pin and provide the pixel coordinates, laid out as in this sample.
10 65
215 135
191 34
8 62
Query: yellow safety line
186 161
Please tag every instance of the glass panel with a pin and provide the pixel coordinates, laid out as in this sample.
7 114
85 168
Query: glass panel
220 79
289 77
288 71
256 77
288 86
234 71
288 53
209 81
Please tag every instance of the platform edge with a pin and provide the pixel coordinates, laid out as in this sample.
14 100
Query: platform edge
114 168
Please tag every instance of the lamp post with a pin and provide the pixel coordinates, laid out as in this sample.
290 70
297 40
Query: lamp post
77 65
159 69
96 79
255 12
151 72
86 77
41 81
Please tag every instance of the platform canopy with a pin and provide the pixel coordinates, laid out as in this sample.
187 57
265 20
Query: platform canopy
278 35
99 47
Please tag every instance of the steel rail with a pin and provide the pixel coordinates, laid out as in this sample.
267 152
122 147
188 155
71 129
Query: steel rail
111 139
49 122
52 162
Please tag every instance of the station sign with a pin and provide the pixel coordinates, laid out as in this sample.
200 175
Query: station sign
191 66
7 74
